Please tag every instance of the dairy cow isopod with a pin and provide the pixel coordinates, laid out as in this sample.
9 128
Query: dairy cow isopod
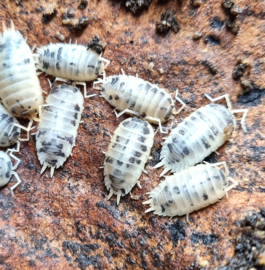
136 96
57 130
200 134
189 190
127 154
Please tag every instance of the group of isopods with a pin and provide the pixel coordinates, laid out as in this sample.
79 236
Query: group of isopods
204 131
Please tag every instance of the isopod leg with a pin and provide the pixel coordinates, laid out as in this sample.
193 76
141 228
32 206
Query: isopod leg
107 62
126 111
27 129
221 163
14 149
17 161
234 184
40 112
58 79
17 183
138 183
122 71
227 98
85 90
98 81
244 111
3 26
181 102
159 123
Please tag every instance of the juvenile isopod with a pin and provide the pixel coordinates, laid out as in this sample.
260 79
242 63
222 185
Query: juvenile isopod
57 130
136 96
20 89
127 154
190 190
7 170
200 134
71 62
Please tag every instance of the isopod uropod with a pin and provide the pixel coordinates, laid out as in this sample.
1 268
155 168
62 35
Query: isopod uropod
7 170
127 154
201 133
20 90
189 190
71 62
57 130
136 96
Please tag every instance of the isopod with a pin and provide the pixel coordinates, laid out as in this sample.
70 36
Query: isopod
71 62
189 190
9 133
20 89
7 170
127 154
57 130
200 134
136 96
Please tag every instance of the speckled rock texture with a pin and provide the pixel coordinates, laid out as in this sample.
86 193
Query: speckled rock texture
66 222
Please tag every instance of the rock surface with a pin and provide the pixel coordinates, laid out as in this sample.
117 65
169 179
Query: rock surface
66 222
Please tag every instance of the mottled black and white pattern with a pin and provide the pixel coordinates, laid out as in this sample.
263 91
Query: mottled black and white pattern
9 133
200 134
57 130
189 190
131 94
20 89
127 154
70 61
7 170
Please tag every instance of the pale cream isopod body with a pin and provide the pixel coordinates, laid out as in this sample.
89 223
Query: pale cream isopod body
57 130
200 134
70 61
20 89
127 154
134 95
189 190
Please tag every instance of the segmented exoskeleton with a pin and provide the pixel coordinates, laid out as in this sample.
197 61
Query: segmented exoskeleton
20 90
127 154
200 134
136 96
57 130
189 190
9 133
71 62
7 170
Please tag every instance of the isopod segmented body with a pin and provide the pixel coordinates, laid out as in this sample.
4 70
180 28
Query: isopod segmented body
57 130
9 133
201 133
189 190
7 170
20 89
134 95
127 154
70 61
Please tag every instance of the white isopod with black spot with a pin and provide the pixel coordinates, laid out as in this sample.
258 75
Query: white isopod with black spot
7 170
20 89
127 154
9 133
136 96
57 130
189 190
71 62
200 134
